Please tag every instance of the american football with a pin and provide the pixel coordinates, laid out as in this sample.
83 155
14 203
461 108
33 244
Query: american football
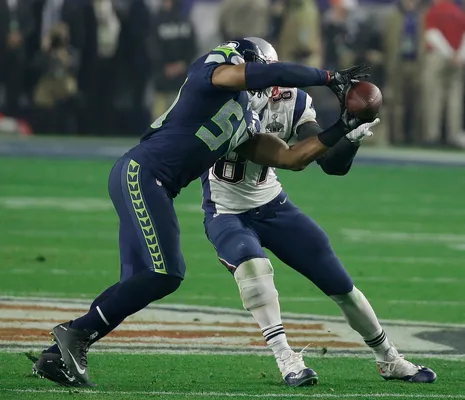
364 99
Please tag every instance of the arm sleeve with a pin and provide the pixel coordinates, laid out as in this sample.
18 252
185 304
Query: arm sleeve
439 43
261 76
462 48
338 160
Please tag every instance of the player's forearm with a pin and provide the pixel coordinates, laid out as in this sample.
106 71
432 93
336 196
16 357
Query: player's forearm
261 76
299 156
338 160
313 148
270 151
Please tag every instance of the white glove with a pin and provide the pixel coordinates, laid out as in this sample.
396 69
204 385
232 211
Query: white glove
363 130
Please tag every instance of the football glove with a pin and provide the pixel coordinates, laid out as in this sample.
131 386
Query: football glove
362 131
338 80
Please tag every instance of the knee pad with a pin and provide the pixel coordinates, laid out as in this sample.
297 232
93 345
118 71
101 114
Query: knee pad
255 281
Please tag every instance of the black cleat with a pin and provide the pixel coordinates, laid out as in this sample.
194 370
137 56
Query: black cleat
74 345
51 366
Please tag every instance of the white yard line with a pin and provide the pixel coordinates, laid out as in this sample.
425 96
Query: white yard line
324 299
286 299
110 234
245 395
406 260
429 302
371 235
76 204
64 203
460 247
60 271
443 280
57 250
443 303
415 280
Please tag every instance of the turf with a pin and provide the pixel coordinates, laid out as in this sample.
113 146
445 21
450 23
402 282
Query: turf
128 377
398 230
383 222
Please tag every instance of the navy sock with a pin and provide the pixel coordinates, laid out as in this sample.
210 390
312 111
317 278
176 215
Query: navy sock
129 297
100 298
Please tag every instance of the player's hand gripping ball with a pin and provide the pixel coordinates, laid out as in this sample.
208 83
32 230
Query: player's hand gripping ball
364 100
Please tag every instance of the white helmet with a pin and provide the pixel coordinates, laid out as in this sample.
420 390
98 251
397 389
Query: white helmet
266 47
259 99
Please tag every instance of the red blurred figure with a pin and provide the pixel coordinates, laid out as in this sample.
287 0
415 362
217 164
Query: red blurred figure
443 72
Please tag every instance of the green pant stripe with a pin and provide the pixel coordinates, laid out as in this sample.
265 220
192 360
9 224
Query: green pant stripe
145 222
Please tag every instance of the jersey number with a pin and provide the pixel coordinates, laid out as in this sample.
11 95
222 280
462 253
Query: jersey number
278 95
226 129
231 169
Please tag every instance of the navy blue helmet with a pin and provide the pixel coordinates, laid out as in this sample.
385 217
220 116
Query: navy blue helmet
249 50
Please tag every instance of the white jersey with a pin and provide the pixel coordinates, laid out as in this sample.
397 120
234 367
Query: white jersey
234 185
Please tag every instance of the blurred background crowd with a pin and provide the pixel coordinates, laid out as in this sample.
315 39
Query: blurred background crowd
109 67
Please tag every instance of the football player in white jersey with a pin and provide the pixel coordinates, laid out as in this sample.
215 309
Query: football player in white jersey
247 210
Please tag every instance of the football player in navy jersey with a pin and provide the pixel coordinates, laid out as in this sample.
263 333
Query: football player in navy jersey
208 119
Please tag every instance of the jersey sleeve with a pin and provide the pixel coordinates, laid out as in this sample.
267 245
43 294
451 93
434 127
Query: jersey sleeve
304 110
224 54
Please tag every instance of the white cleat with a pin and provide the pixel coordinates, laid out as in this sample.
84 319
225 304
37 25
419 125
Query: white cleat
294 371
396 366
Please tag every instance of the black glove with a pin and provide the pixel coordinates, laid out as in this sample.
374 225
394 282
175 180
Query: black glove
338 80
350 121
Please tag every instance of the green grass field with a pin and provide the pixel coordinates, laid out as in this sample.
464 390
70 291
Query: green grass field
399 231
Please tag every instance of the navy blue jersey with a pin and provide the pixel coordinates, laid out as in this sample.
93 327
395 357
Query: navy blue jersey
203 123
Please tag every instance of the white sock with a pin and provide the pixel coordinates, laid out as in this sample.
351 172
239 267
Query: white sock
268 317
259 295
361 317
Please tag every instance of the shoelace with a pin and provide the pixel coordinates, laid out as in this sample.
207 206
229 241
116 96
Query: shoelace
391 364
305 348
293 357
82 347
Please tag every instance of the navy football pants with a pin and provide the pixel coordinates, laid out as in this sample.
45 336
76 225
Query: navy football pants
149 229
287 232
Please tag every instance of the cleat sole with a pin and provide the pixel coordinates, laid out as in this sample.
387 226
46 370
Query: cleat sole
313 381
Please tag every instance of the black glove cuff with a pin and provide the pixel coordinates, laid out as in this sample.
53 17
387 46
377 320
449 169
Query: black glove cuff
332 135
